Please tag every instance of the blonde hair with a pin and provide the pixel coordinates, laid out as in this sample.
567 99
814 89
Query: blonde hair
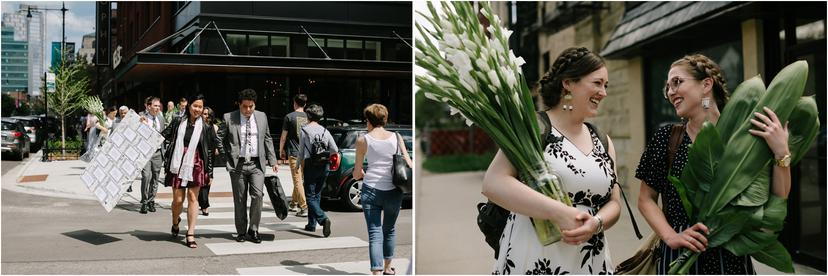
376 114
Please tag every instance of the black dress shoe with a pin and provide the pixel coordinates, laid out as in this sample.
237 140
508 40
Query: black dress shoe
143 209
151 207
254 237
327 230
129 190
240 237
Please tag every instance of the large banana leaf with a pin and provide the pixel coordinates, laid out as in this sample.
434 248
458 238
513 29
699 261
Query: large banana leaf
746 154
756 192
759 233
776 256
740 106
803 128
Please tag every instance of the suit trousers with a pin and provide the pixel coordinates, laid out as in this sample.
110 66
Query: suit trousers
298 195
150 177
246 178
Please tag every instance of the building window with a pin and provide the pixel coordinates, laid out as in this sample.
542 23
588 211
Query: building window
313 49
372 50
335 48
258 45
237 43
279 46
353 49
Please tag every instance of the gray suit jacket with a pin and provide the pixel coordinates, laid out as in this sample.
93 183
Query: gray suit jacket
230 132
163 125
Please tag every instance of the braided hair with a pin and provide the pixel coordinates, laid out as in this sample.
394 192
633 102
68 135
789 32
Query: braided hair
701 67
573 64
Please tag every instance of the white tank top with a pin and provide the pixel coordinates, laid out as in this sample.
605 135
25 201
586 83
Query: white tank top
380 157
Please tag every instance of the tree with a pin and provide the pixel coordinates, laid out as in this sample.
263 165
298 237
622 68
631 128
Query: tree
71 87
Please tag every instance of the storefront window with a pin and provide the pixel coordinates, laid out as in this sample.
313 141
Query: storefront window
258 45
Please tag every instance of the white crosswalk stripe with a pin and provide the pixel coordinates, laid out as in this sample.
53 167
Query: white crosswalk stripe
220 221
229 248
360 267
231 228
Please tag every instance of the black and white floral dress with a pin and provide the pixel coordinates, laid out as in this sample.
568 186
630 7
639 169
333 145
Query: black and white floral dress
588 178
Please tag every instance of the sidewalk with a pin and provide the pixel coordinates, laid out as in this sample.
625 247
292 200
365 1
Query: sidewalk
62 179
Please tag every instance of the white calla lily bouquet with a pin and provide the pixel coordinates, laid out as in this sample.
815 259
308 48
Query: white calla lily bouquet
472 69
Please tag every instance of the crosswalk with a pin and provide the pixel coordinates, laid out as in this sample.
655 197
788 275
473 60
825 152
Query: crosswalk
220 221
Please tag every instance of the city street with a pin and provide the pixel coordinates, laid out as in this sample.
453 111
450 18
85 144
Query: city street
53 227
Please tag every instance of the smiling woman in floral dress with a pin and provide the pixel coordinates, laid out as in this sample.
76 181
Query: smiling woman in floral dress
573 88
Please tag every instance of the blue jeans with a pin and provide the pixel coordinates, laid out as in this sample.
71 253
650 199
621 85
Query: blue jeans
381 232
315 177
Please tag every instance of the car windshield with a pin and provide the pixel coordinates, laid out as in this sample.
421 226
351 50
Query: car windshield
346 139
8 126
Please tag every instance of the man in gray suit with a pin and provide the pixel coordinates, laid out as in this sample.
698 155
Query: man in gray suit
248 150
150 175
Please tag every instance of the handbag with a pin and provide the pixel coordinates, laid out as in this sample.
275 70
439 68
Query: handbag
644 260
401 170
277 196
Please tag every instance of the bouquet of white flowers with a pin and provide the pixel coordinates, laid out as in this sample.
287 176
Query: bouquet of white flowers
472 69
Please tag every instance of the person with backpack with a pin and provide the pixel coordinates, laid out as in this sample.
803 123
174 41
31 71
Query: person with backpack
315 149
379 195
572 89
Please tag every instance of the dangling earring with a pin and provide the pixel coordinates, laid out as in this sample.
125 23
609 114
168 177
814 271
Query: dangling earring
706 102
568 98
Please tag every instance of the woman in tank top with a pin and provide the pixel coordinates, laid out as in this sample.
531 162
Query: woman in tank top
378 193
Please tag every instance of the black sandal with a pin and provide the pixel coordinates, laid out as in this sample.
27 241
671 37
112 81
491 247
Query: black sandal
174 230
204 212
191 244
393 272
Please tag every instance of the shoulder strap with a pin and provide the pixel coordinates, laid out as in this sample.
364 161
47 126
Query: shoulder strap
603 139
399 147
546 126
676 137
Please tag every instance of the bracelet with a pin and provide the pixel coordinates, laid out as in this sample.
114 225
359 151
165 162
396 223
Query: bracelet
600 224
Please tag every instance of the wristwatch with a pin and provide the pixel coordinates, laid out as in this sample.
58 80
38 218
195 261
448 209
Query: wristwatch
784 162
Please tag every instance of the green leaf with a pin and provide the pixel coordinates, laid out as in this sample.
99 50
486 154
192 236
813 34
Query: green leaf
724 226
775 256
705 152
746 154
757 192
803 128
682 191
774 214
748 242
740 106
760 232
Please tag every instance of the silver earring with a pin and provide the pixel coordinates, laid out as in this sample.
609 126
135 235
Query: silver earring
706 102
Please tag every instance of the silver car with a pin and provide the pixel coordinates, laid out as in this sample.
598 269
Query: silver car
15 141
31 124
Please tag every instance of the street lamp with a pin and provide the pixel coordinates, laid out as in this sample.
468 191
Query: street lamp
63 10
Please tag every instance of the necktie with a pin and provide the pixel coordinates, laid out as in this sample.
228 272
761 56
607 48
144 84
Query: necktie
247 143
154 123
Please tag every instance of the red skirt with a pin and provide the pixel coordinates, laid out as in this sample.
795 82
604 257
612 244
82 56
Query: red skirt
199 175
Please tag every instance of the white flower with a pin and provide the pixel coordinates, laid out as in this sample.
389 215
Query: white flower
452 40
491 29
444 84
460 61
511 80
495 80
443 70
468 122
453 110
468 83
482 64
497 99
519 61
431 96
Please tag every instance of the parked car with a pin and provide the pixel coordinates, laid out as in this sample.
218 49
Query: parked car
32 125
15 140
340 184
